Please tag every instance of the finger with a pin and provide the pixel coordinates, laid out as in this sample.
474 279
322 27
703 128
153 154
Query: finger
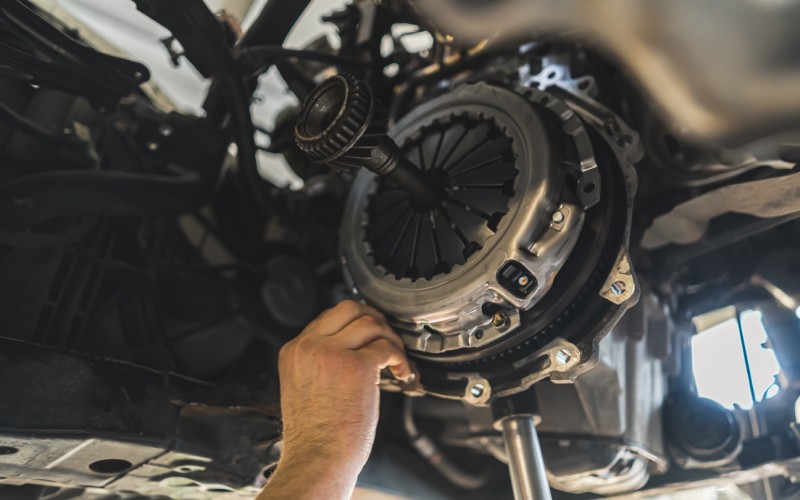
364 331
384 354
338 317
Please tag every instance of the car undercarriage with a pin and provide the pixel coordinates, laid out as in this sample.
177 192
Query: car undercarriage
549 200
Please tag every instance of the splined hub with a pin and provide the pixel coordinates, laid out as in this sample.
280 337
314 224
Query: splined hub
472 159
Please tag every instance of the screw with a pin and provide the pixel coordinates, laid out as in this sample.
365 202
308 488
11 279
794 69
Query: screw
563 356
558 217
618 288
476 390
500 321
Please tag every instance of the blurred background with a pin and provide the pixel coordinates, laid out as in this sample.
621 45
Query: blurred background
120 24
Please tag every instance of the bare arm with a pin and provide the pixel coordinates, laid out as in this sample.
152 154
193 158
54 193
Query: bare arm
329 399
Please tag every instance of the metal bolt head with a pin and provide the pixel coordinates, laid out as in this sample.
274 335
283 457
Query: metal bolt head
476 390
152 146
563 356
500 321
558 217
619 288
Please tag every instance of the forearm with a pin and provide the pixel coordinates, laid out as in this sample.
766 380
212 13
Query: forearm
329 401
315 478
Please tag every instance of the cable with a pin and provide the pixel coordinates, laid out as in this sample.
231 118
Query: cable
34 129
266 55
431 453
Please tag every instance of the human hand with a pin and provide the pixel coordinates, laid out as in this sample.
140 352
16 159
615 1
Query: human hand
329 379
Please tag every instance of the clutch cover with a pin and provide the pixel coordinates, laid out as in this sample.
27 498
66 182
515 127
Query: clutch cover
459 280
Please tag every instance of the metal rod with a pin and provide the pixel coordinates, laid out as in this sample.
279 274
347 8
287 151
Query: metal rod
525 462
746 358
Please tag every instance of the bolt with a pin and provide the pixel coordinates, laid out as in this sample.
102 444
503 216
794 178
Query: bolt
500 321
563 356
152 146
618 288
558 217
477 390
479 334
165 130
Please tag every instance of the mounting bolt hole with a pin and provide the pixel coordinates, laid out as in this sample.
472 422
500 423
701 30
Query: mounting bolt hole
589 187
7 450
110 466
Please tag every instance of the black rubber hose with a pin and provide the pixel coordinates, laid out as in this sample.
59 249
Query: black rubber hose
274 22
29 200
271 27
35 130
239 105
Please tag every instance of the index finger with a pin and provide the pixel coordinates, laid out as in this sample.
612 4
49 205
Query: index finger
338 317
384 354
